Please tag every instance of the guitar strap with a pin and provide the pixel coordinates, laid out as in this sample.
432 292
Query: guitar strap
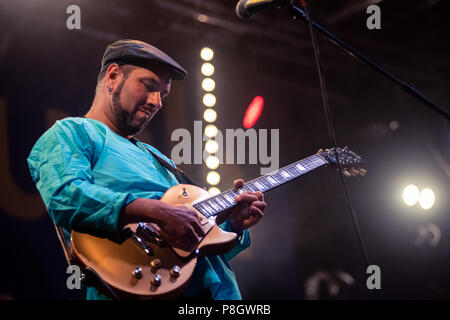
178 173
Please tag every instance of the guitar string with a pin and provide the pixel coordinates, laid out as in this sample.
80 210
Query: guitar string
278 177
311 162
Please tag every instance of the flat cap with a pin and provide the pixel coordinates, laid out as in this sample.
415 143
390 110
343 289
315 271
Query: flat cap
139 53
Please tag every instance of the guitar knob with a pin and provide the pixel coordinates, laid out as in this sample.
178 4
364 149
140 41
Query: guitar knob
346 173
155 263
137 273
175 271
354 172
156 280
362 172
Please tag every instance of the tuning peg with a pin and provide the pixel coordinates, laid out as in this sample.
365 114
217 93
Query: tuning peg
346 173
354 172
362 172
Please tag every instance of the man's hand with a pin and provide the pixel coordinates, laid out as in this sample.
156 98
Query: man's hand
249 209
179 226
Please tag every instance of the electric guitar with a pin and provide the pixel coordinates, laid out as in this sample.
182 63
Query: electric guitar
142 265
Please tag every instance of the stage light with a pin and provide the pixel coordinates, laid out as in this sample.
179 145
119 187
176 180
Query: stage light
207 69
213 178
211 146
214 190
208 84
209 115
212 162
210 131
253 112
426 198
209 100
394 125
411 195
206 54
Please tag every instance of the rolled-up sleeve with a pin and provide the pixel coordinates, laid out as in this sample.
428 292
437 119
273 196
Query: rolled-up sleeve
61 166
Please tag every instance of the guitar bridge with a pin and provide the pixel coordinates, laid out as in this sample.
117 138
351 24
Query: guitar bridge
148 233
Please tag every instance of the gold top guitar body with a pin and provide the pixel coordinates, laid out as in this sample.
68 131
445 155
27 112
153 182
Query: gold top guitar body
143 264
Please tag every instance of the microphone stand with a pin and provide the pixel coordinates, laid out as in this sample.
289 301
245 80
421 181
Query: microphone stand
296 13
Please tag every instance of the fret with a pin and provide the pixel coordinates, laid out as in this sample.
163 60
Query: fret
216 201
234 192
310 161
259 186
221 202
266 183
212 204
200 207
300 167
207 208
279 177
296 172
272 180
307 162
227 197
285 174
314 162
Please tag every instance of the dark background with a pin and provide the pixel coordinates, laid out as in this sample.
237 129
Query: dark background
48 72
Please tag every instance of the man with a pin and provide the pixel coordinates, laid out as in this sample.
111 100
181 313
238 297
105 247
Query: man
94 175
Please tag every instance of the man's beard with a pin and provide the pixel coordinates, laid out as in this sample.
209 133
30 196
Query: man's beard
125 118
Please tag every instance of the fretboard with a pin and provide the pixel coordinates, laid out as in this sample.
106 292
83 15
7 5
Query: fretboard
225 200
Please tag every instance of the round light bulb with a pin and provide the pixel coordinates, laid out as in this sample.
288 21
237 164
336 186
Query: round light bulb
211 146
207 69
212 162
208 84
209 100
426 198
411 195
210 131
213 178
209 115
206 54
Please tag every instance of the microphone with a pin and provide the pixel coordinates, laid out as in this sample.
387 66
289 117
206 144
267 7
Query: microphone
246 8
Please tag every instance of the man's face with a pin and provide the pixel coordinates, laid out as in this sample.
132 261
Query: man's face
139 97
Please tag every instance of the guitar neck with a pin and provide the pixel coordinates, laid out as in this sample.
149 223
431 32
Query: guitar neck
225 200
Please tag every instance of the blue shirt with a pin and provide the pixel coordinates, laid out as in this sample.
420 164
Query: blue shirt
86 174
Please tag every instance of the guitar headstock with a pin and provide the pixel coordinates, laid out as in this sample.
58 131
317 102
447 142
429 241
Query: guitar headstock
350 162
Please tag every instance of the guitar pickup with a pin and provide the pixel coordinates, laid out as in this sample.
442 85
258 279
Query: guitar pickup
141 243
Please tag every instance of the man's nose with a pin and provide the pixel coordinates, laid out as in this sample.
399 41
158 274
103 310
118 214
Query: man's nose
154 98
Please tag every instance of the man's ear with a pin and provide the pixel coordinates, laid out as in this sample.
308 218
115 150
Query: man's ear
112 72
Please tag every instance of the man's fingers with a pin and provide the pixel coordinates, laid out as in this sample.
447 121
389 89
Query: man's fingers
239 183
243 196
255 215
260 195
259 204
198 229
246 197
